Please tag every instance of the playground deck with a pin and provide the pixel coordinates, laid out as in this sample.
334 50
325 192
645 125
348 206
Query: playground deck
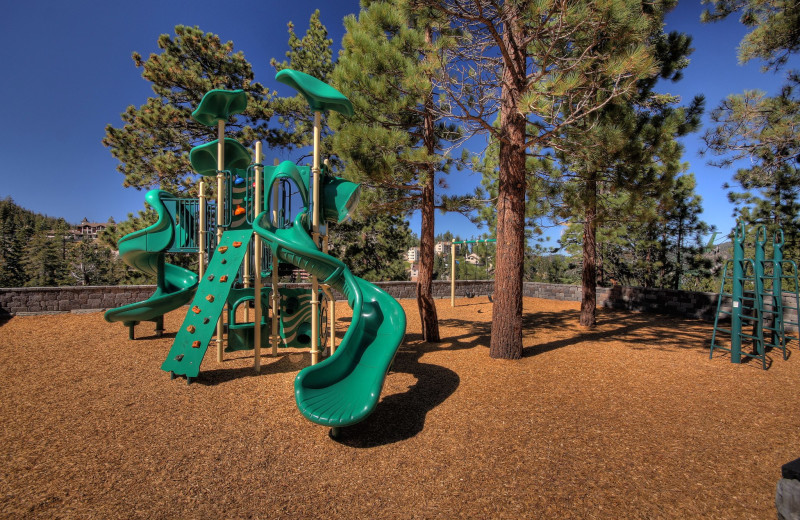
630 420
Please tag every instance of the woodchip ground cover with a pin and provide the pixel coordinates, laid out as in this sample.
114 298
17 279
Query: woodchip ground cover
630 420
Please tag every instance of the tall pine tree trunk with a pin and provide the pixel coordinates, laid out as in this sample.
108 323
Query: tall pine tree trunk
506 341
589 274
425 302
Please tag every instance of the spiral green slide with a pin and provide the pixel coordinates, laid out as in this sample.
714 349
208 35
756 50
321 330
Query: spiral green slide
344 388
144 250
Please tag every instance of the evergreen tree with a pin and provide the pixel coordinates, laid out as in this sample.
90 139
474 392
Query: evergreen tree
91 263
539 66
154 142
313 55
374 246
14 234
46 262
776 28
758 128
395 144
629 149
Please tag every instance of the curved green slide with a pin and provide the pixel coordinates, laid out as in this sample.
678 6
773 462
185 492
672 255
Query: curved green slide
344 388
144 250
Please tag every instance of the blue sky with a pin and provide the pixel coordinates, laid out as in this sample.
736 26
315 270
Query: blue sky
67 73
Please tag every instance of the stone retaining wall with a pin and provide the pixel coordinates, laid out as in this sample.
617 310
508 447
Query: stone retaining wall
41 300
38 300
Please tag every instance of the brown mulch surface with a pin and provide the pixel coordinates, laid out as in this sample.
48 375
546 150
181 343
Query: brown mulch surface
629 420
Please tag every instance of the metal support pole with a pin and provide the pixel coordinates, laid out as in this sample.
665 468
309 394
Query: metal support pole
220 220
315 234
275 336
201 232
736 293
453 274
257 265
778 335
331 306
758 289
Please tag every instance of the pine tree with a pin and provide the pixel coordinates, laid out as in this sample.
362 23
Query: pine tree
776 28
394 144
538 66
154 142
759 128
91 263
45 261
628 148
374 246
313 55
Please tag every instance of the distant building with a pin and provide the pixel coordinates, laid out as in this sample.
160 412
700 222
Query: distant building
414 271
442 248
412 255
89 230
474 259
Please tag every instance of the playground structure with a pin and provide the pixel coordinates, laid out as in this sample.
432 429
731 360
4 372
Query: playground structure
247 235
453 264
756 287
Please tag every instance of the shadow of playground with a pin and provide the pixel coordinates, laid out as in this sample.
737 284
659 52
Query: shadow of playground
401 416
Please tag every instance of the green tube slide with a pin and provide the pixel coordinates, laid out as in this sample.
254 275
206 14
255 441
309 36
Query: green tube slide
344 388
144 250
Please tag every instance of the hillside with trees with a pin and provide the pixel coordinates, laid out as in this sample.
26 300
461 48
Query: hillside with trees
41 251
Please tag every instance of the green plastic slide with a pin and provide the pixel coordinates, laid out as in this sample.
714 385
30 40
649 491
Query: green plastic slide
144 250
200 323
344 388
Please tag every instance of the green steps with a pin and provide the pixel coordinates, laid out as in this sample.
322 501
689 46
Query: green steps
200 323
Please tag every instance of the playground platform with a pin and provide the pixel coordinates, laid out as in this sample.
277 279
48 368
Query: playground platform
629 420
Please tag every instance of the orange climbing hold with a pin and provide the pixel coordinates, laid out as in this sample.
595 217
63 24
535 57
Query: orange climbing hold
223 278
239 211
196 344
191 329
237 244
210 297
196 309
222 249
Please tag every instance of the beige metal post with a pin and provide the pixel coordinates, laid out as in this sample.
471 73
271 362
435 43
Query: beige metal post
452 274
331 305
331 299
315 234
220 218
201 232
257 264
275 336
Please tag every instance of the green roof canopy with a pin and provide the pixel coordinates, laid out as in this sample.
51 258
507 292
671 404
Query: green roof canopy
219 104
319 95
204 157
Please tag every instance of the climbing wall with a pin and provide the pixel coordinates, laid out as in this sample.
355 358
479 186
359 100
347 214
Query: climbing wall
200 323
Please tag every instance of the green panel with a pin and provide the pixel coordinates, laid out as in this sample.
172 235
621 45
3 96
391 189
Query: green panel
241 336
183 357
204 157
218 105
319 95
296 317
287 170
339 198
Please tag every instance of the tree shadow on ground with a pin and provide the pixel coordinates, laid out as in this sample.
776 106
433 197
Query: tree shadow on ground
401 416
635 330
